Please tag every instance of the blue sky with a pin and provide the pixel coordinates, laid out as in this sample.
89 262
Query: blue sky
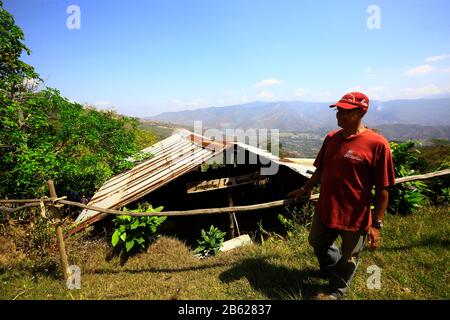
146 57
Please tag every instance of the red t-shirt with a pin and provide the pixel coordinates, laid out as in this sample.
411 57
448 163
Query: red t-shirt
350 168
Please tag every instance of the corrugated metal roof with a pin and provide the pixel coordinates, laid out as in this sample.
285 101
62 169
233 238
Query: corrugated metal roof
173 157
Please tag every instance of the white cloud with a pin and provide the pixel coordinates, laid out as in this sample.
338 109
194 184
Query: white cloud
178 102
419 70
267 82
437 58
265 95
375 92
244 98
430 89
446 70
300 92
370 72
229 92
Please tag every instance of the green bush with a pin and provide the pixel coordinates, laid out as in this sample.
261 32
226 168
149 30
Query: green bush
407 197
210 241
77 147
297 216
440 188
136 233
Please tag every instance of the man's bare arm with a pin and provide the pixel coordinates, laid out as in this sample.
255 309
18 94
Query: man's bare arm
381 202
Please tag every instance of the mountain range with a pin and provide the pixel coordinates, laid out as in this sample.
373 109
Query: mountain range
307 116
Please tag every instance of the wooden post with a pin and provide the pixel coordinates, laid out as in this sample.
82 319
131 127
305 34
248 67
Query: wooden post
232 215
233 220
59 231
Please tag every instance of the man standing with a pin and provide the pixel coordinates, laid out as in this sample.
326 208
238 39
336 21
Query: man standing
351 161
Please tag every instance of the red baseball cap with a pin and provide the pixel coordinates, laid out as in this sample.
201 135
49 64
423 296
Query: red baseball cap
353 100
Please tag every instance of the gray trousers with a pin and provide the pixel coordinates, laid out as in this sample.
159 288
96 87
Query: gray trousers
340 268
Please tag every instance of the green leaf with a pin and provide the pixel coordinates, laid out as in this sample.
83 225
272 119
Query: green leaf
123 236
135 225
115 237
125 218
129 245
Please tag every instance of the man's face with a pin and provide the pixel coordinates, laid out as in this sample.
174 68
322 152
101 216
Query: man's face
348 118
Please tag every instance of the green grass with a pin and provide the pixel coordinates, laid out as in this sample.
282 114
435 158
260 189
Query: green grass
414 259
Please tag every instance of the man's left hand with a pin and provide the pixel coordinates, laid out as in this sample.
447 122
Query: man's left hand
374 237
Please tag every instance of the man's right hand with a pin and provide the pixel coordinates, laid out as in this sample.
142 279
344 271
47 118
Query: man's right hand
297 194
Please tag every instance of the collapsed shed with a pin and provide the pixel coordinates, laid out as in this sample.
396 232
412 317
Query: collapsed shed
189 171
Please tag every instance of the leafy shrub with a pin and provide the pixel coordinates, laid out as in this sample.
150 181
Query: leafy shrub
289 225
210 241
440 188
434 154
267 235
297 216
42 235
29 231
78 147
136 232
407 197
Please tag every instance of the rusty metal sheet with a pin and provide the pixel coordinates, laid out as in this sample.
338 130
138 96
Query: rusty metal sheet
173 157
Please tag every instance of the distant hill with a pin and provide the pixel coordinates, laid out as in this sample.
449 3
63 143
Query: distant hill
162 129
305 116
413 132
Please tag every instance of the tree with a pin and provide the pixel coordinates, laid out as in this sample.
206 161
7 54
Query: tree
13 71
45 136
78 147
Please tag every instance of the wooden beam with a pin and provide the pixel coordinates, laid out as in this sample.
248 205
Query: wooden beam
423 176
253 207
221 183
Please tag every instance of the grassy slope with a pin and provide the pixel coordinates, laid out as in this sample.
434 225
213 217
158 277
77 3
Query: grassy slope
414 259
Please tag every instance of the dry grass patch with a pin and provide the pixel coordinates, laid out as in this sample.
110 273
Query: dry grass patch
414 260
